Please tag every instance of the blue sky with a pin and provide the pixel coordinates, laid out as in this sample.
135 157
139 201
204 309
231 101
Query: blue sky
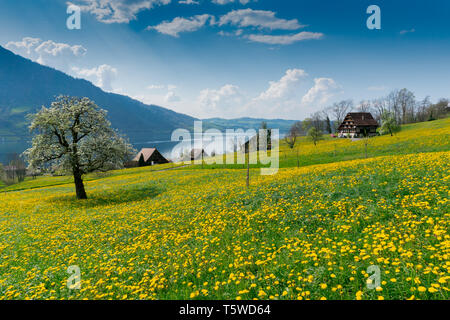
225 58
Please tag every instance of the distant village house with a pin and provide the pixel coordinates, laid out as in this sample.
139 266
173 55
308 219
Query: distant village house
148 157
358 125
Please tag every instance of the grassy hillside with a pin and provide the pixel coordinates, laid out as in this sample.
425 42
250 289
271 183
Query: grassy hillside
420 137
305 233
47 181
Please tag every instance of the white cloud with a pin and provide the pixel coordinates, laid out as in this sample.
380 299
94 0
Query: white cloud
222 2
281 99
179 24
26 48
236 33
169 87
102 76
258 18
171 96
117 11
321 93
290 97
407 31
160 95
188 2
293 96
155 87
57 55
63 56
285 39
285 86
226 101
50 49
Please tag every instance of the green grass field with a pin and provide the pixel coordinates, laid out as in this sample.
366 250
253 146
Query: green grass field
46 181
306 233
414 138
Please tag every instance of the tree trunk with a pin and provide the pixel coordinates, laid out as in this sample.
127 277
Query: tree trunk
79 186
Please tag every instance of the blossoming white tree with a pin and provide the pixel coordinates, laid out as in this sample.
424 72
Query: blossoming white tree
74 135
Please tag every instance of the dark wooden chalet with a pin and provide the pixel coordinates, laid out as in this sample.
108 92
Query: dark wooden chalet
149 157
357 125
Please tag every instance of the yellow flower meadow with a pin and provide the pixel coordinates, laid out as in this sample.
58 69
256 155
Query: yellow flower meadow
306 233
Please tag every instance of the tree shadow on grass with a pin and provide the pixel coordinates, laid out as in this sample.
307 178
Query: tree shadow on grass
111 196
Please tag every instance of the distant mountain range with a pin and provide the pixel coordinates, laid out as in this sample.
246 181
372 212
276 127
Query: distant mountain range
25 86
249 123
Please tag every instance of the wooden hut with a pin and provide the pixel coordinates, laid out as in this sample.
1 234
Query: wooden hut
149 157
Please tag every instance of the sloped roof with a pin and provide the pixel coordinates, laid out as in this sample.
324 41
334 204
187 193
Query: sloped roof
360 119
363 119
146 152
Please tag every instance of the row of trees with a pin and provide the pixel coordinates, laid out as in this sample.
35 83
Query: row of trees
319 122
405 107
401 104
397 108
313 127
14 171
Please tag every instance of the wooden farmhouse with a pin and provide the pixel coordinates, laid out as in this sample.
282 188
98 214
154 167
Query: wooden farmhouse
358 125
149 157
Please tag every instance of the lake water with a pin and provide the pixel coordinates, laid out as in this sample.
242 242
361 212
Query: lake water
170 149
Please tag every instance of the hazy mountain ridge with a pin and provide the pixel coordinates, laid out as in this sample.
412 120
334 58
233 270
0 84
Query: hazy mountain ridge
249 123
26 86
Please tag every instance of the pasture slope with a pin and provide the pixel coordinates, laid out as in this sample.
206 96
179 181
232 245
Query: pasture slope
306 233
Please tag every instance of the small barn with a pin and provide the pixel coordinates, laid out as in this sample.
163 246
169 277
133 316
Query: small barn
358 125
149 157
